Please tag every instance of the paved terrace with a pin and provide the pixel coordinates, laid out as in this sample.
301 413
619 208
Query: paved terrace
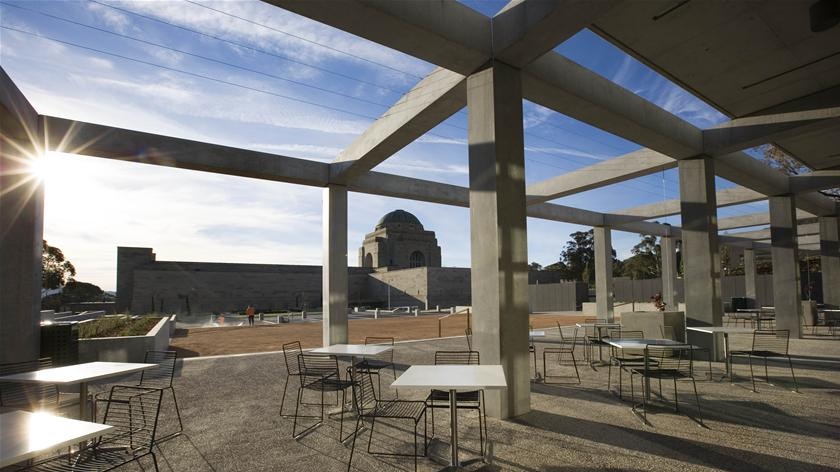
230 406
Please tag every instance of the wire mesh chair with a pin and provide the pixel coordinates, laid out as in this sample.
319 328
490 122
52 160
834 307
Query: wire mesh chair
290 352
319 373
26 396
374 364
468 400
766 344
666 362
136 423
369 406
567 346
624 358
158 378
592 335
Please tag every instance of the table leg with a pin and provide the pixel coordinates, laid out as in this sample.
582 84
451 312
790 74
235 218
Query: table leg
453 415
727 358
83 393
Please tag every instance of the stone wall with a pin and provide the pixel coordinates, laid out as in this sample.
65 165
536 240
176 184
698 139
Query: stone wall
449 286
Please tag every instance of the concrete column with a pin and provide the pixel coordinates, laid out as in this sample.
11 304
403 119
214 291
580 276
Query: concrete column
668 248
603 273
334 325
784 251
700 253
749 273
21 236
498 233
830 259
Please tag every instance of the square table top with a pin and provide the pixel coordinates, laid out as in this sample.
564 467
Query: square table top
24 435
353 349
641 343
604 324
449 377
537 334
72 374
721 329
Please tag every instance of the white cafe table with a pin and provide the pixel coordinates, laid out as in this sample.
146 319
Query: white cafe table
726 330
24 435
78 374
351 351
598 330
453 378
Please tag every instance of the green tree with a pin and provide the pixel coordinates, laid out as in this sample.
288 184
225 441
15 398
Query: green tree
577 261
534 266
646 261
75 291
55 269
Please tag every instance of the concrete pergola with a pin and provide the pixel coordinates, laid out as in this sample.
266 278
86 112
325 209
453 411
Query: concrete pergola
781 88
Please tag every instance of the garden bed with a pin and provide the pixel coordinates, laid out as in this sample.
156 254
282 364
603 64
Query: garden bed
114 326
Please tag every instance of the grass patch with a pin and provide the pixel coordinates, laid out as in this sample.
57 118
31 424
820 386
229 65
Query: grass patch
117 326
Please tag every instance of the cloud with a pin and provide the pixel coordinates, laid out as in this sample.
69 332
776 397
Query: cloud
110 17
322 153
569 152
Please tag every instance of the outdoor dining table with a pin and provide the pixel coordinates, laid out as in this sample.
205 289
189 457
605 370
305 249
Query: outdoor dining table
599 327
726 330
453 378
756 314
24 435
79 374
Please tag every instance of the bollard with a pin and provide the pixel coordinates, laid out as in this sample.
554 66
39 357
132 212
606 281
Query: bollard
416 312
303 314
452 310
376 313
261 317
437 308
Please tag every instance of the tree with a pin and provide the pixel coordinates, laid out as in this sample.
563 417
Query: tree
778 159
534 266
646 261
577 261
55 270
81 292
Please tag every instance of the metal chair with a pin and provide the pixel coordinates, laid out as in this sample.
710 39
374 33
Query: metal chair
627 359
369 406
290 352
136 423
373 364
468 335
320 374
592 335
766 344
532 349
469 400
666 362
567 346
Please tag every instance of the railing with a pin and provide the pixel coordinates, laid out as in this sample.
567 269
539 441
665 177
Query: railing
460 312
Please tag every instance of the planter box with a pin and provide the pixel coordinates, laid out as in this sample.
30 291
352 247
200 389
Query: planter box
653 323
126 348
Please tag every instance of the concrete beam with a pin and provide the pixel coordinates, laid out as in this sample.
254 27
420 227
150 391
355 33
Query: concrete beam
448 34
431 101
817 180
566 87
526 29
635 164
725 197
18 118
764 234
744 133
758 219
147 148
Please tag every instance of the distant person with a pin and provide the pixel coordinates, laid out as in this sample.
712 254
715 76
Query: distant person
250 312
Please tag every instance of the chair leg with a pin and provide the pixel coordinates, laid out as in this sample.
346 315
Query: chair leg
766 375
433 422
676 398
752 375
353 446
609 375
574 363
177 410
297 409
394 370
415 446
795 386
697 398
283 398
154 460
370 437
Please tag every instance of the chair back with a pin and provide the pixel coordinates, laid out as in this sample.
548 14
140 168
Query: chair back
25 395
290 356
162 375
775 341
381 341
468 335
135 420
457 358
315 367
591 331
676 358
566 340
364 395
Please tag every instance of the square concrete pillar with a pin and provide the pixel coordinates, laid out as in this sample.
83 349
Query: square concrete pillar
21 236
603 273
830 259
498 233
334 324
749 273
668 249
784 251
700 252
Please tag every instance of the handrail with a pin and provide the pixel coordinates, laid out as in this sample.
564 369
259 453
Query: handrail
459 312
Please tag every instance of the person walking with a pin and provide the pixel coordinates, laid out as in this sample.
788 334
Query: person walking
250 312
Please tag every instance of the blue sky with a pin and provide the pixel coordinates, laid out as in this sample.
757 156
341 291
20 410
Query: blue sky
250 75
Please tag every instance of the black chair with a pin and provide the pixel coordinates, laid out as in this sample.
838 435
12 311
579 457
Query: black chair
469 400
766 344
666 362
567 346
369 406
592 335
26 396
532 349
290 352
624 358
157 378
373 364
319 373
136 423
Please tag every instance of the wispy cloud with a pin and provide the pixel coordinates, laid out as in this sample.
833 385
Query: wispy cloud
569 152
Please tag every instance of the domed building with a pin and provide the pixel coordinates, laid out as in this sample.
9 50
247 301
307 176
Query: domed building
399 242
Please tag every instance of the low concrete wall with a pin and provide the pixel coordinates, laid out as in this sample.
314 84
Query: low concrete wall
126 348
653 323
589 308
